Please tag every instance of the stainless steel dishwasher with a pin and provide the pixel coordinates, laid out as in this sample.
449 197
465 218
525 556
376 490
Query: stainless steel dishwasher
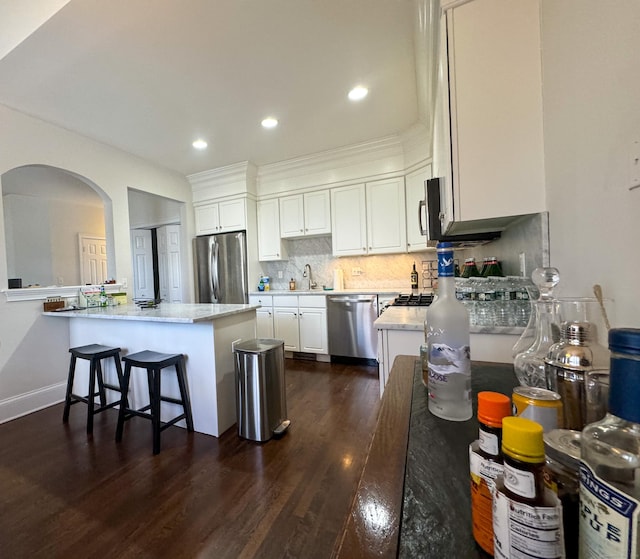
350 321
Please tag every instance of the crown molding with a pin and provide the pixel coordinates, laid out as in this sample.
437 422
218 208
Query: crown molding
355 162
236 179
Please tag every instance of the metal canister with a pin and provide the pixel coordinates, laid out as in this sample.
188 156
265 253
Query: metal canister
538 404
577 369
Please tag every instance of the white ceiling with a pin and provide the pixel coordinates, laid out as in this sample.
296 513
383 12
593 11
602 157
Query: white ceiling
150 76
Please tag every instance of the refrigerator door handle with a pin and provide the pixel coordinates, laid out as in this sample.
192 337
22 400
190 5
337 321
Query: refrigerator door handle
213 276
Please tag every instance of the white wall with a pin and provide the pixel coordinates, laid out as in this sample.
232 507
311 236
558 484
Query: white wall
591 96
42 238
34 349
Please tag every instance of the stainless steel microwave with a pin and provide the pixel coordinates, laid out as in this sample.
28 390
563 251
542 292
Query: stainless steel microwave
434 217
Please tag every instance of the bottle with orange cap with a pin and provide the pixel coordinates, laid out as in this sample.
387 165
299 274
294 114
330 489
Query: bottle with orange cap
527 516
485 461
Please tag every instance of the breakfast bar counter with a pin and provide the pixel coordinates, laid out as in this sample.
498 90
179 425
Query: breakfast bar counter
204 333
413 498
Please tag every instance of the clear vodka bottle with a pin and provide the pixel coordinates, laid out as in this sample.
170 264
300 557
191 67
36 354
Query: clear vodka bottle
448 354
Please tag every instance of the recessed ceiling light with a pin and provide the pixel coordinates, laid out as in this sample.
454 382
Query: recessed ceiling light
200 144
358 93
270 122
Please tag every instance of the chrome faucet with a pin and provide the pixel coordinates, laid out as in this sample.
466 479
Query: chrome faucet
312 284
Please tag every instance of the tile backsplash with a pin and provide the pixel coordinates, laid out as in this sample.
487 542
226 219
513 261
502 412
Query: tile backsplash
528 236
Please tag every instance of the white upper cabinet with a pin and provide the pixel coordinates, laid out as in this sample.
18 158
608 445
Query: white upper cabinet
349 220
386 223
305 214
221 217
369 218
415 193
495 95
270 245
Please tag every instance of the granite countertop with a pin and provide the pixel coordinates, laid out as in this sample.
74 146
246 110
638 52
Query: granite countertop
164 312
386 291
412 318
413 499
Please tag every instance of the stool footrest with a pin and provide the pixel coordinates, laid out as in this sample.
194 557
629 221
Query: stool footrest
154 362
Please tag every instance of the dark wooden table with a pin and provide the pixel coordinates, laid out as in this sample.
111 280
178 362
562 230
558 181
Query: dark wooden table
413 499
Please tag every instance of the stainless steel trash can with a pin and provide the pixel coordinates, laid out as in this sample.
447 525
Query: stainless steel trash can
261 401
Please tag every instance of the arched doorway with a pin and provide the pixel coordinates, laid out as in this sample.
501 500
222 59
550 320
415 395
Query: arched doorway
49 213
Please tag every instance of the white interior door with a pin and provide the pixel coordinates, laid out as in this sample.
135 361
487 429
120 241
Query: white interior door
93 260
142 251
169 267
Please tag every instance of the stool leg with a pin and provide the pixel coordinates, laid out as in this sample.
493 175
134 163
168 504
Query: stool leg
100 379
116 360
155 407
184 393
123 401
91 396
67 398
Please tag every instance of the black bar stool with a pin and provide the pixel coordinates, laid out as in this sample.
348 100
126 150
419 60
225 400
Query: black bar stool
94 353
154 362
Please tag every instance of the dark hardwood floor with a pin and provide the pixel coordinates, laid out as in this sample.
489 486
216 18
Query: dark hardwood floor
64 494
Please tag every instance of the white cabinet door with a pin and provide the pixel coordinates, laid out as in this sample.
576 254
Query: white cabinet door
292 216
414 193
232 215
270 245
221 217
386 223
317 213
496 109
285 326
305 214
348 220
264 315
207 219
313 330
264 323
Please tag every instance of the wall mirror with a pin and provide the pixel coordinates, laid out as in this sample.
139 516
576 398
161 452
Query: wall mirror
54 227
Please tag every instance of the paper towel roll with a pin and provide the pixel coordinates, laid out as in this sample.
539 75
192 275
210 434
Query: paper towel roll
338 279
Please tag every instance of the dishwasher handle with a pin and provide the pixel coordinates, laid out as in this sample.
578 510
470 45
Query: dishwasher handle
352 299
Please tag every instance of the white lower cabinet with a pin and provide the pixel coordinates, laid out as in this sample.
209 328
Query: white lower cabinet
392 343
301 322
264 315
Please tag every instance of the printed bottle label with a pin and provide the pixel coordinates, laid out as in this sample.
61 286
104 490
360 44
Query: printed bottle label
483 475
525 532
608 519
519 482
489 442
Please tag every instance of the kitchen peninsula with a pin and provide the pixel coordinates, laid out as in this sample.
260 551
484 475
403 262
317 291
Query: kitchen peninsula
401 332
204 333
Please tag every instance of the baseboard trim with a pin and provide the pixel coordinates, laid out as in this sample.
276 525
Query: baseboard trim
29 402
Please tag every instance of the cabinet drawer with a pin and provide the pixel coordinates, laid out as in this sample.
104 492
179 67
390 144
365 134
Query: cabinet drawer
264 300
285 300
312 301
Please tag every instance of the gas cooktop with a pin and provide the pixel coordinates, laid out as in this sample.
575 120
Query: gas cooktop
413 300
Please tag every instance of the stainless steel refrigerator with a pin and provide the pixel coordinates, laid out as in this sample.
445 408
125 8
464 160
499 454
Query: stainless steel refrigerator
221 268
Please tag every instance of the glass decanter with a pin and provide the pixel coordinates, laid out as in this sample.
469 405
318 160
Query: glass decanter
541 333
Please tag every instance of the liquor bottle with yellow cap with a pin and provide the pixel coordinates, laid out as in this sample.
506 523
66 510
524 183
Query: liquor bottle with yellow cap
527 516
485 464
